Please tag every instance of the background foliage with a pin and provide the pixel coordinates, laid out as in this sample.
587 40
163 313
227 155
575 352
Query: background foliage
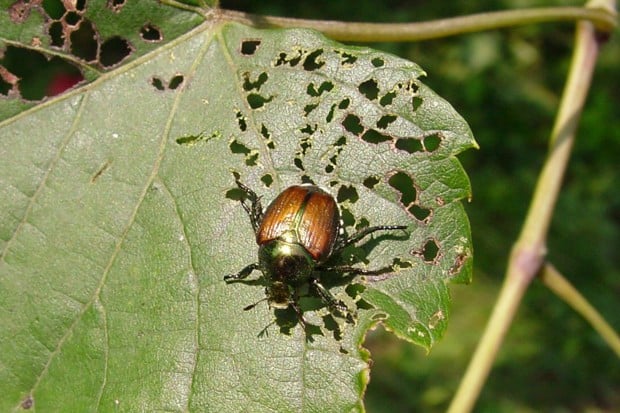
507 85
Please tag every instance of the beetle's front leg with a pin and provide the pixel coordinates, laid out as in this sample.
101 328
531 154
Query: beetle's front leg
255 209
335 306
241 274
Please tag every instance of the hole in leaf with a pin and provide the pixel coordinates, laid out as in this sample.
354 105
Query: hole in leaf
330 114
355 290
299 164
371 182
341 142
33 76
324 87
56 34
363 304
249 85
372 136
411 87
251 159
189 139
284 59
248 47
79 5
419 213
347 217
175 82
237 147
346 58
329 169
385 121
305 179
72 18
55 9
352 124
64 80
310 108
115 5
344 103
201 137
241 121
235 194
416 102
257 101
369 89
267 180
377 62
158 83
308 129
347 193
409 145
404 184
387 99
151 33
114 51
431 142
430 251
362 223
402 263
265 133
304 144
312 61
84 42
5 85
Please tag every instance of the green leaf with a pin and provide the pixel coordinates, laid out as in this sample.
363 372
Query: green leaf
118 223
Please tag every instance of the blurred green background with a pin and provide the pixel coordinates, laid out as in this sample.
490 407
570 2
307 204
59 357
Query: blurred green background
507 84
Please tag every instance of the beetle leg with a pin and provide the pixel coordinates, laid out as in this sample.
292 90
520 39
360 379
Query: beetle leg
300 315
255 208
335 306
346 241
241 274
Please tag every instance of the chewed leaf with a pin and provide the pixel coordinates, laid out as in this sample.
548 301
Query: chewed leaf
120 217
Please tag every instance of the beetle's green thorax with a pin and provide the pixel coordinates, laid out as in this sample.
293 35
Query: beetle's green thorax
286 262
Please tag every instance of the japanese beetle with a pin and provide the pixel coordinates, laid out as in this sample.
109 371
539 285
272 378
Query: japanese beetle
297 234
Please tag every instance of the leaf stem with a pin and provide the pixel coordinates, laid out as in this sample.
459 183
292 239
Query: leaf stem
604 19
528 252
552 278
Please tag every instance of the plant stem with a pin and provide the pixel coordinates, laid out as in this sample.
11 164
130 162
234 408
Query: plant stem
603 19
552 278
529 250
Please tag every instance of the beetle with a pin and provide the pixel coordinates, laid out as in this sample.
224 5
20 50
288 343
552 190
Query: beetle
298 233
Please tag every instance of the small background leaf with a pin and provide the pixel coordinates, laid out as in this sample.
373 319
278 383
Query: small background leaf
116 229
